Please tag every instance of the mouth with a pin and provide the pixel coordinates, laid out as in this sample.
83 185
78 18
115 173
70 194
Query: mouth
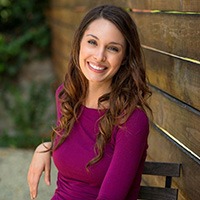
97 67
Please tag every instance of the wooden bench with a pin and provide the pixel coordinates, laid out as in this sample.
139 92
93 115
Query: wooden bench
168 170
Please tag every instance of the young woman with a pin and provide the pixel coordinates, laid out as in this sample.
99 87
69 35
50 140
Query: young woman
100 141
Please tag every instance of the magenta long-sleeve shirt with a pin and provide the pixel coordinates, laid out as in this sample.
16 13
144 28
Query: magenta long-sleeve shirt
117 175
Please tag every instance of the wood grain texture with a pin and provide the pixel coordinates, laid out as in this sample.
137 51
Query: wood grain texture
69 3
60 49
180 79
64 16
154 193
177 119
162 169
60 64
176 34
86 4
182 5
122 3
62 35
163 150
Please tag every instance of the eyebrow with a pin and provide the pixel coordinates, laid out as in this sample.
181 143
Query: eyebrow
116 43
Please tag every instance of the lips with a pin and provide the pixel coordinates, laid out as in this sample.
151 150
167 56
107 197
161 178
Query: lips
96 67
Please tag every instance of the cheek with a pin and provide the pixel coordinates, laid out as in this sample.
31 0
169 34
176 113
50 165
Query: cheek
117 64
84 53
118 61
117 68
81 55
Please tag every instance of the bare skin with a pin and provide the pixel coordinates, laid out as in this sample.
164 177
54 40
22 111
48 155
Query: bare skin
41 162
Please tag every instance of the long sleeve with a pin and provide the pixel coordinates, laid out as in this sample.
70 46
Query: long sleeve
117 175
123 177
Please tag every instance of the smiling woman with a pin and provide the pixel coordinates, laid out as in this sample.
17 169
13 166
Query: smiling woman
102 50
100 140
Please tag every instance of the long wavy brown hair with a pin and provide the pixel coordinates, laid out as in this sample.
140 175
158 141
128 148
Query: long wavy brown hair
129 87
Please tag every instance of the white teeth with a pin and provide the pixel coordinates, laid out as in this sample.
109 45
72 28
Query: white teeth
97 67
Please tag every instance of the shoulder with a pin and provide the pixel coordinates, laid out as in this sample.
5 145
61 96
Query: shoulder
137 122
134 130
138 115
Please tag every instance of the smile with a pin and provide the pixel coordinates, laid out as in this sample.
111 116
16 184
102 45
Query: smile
95 67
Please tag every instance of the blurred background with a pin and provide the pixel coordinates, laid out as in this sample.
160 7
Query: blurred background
26 73
27 79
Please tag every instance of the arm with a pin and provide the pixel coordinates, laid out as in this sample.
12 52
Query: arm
40 162
125 169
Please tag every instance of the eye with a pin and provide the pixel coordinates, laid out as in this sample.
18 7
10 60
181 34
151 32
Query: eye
113 48
92 42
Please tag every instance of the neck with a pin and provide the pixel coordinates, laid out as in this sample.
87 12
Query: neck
94 93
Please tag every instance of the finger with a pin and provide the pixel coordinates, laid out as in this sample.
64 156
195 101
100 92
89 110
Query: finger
33 181
47 174
33 187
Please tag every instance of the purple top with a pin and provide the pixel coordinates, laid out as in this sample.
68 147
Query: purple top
117 175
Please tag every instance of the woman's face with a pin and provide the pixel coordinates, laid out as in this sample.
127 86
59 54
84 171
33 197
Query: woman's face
102 50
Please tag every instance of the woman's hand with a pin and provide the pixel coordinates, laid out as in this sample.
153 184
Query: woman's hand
41 162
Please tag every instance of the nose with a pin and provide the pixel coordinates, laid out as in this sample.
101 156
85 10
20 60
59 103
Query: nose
100 55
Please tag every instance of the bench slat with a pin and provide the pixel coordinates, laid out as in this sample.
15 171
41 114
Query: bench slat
155 193
162 169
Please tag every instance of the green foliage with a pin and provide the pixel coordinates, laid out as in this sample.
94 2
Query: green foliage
29 115
23 28
24 36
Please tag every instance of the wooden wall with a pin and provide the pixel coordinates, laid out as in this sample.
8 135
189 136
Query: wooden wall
170 35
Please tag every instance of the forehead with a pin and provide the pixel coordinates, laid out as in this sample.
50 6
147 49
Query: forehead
103 28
